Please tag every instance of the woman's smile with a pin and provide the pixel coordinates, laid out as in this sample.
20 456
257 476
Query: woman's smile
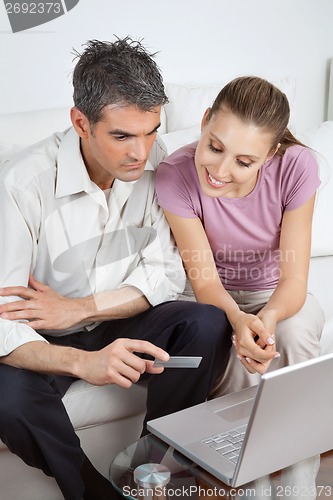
212 181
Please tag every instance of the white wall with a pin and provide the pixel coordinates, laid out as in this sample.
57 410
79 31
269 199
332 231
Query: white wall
200 41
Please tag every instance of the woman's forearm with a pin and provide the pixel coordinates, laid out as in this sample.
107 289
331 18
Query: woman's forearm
287 299
218 296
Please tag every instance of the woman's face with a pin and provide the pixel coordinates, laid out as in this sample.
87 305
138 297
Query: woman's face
229 155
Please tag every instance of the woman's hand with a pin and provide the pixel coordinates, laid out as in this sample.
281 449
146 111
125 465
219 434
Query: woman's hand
254 340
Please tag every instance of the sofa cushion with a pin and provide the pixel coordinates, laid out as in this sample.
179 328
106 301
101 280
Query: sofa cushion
320 283
19 130
320 139
24 129
320 278
187 104
88 405
175 140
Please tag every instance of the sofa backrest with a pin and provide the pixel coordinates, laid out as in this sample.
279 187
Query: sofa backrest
180 125
19 130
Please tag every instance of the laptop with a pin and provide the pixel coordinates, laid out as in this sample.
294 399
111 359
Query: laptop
243 436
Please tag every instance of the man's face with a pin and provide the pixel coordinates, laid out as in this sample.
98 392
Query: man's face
118 146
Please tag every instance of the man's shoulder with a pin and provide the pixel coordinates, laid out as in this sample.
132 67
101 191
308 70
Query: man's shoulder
32 161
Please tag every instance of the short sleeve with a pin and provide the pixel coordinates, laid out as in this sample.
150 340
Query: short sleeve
176 188
302 179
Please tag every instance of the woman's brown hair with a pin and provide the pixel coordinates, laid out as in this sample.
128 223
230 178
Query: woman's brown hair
258 102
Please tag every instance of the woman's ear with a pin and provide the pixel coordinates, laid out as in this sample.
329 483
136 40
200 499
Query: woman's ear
273 152
204 120
80 123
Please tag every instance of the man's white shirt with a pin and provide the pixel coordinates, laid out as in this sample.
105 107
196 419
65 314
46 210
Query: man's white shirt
59 225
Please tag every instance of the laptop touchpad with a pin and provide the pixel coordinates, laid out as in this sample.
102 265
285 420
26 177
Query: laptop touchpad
237 411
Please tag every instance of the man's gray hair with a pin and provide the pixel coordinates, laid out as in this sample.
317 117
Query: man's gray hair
121 72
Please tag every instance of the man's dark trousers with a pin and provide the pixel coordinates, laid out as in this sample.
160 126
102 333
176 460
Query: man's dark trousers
34 423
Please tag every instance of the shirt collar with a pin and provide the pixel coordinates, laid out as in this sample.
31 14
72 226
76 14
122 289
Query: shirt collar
72 175
148 166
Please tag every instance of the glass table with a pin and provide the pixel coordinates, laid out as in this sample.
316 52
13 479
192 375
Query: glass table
187 480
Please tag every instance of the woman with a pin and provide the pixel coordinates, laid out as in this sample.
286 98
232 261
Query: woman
240 205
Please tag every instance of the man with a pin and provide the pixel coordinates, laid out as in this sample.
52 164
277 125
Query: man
82 229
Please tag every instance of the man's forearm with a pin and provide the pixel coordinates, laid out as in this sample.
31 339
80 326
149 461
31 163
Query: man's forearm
117 363
118 304
45 309
42 357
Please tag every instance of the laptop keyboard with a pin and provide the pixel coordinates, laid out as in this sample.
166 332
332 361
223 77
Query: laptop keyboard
227 444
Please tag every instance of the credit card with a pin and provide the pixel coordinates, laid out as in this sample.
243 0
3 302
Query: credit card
180 362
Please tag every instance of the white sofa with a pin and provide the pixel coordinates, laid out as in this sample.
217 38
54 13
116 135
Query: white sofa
108 418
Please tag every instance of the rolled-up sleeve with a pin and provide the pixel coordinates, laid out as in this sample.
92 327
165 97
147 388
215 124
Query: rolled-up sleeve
14 334
15 257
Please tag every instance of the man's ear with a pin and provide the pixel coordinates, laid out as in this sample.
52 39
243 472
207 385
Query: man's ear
273 152
80 123
205 118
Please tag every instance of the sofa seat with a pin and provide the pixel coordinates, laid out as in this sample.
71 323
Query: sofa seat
88 405
320 284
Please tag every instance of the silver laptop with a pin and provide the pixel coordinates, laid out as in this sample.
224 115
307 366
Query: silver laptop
245 435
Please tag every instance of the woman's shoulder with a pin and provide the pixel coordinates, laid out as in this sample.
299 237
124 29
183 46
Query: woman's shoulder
177 184
296 158
185 154
298 152
178 170
293 176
